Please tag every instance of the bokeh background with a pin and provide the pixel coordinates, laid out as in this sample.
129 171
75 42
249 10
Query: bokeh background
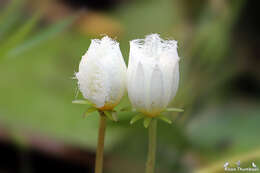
41 44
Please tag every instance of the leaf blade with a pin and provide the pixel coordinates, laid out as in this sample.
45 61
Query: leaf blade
43 36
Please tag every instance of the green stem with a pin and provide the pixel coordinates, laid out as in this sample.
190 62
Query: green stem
100 145
150 163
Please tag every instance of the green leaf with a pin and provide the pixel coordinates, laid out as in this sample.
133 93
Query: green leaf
147 121
165 119
19 35
82 102
136 118
89 111
10 15
43 35
11 9
6 27
174 110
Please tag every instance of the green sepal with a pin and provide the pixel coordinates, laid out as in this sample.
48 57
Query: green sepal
111 115
174 110
125 109
165 119
114 115
147 121
108 115
82 102
89 111
136 118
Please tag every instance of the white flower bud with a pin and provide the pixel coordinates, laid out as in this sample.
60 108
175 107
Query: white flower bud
153 74
102 74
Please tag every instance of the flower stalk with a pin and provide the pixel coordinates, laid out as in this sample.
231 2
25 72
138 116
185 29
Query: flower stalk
100 145
150 163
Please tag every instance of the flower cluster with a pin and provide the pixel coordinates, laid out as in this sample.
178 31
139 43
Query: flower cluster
151 79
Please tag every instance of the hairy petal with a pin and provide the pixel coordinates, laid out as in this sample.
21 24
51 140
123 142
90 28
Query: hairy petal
102 73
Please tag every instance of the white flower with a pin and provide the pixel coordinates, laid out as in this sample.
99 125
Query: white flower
102 74
153 74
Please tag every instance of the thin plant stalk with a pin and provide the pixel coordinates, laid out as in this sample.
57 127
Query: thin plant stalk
150 163
100 145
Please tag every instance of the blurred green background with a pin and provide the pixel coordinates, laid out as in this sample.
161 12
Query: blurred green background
41 44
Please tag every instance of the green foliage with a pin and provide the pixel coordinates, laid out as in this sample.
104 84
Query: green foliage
42 36
16 41
19 35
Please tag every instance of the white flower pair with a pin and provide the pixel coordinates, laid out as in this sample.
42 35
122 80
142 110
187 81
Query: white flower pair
151 78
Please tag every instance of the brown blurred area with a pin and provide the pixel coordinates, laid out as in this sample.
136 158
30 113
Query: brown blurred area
91 18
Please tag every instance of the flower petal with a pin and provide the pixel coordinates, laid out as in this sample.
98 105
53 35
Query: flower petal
91 81
138 88
175 81
156 93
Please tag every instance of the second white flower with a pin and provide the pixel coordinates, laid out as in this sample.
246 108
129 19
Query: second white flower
153 74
